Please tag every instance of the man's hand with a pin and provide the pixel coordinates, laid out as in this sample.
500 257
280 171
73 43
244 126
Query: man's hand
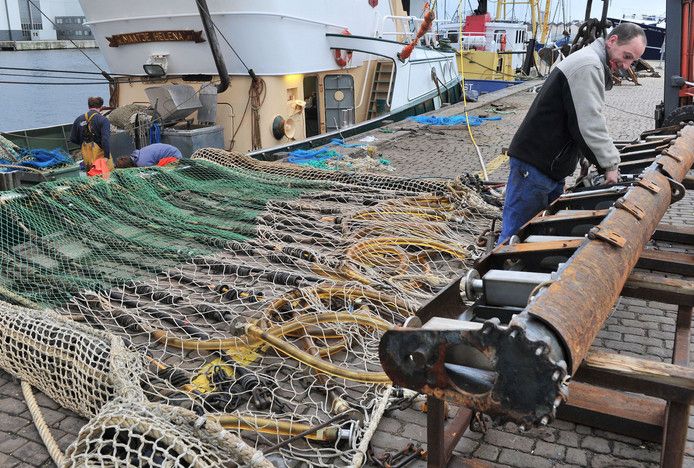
612 177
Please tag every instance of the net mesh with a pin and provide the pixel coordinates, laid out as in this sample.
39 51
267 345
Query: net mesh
249 295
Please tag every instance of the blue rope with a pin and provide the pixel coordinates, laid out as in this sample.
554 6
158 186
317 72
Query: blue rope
453 120
155 133
41 158
315 157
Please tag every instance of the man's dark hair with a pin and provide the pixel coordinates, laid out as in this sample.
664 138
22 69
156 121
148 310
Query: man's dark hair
625 32
95 101
124 162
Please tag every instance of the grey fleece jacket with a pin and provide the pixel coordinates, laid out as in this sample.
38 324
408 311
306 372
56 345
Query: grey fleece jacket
566 119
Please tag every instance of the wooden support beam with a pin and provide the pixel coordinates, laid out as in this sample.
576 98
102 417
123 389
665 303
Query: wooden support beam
658 379
674 233
638 416
533 247
587 214
668 262
657 288
677 419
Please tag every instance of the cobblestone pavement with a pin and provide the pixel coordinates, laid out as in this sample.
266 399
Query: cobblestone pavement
640 328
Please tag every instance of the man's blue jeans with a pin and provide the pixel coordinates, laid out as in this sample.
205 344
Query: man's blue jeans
528 191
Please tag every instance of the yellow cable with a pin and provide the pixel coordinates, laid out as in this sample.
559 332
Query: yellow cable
462 81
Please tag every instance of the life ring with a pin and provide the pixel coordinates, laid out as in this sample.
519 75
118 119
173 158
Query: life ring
343 57
503 42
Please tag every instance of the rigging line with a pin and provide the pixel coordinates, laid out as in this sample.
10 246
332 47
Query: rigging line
53 77
101 83
226 40
649 117
103 72
48 70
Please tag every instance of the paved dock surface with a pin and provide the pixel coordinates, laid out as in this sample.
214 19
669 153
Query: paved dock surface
637 327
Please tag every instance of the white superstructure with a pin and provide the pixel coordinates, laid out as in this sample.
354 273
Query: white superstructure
284 43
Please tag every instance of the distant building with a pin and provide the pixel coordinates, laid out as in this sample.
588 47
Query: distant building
22 21
72 27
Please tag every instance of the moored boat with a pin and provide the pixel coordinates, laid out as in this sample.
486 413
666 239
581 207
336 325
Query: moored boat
296 71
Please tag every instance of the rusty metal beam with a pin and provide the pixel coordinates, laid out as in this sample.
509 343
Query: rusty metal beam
629 414
441 437
601 267
447 303
566 306
518 371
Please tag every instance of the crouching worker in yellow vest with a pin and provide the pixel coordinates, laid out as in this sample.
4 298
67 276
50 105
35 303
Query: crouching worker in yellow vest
92 131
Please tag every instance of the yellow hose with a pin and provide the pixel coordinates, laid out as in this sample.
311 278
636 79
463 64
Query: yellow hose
379 256
253 341
342 292
380 214
317 363
344 273
413 230
271 426
355 250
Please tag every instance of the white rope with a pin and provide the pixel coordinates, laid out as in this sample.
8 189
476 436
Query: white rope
360 456
45 433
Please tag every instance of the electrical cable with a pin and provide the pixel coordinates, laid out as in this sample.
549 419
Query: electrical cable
48 77
228 43
649 117
48 83
49 70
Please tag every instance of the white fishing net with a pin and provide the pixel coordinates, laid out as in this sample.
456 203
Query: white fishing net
246 299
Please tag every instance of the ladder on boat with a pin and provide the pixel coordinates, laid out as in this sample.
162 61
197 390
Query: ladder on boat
379 102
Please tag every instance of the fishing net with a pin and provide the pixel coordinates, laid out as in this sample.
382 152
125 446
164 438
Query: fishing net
250 298
130 433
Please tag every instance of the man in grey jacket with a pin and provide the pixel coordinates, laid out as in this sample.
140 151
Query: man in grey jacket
566 122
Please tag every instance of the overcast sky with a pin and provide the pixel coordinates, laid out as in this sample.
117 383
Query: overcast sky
617 8
576 9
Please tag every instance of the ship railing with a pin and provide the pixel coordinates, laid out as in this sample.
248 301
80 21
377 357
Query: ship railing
489 41
404 28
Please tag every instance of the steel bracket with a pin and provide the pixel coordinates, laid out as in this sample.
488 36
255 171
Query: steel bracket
676 157
648 185
630 208
677 190
608 236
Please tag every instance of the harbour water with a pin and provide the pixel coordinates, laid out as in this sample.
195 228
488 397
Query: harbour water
47 100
